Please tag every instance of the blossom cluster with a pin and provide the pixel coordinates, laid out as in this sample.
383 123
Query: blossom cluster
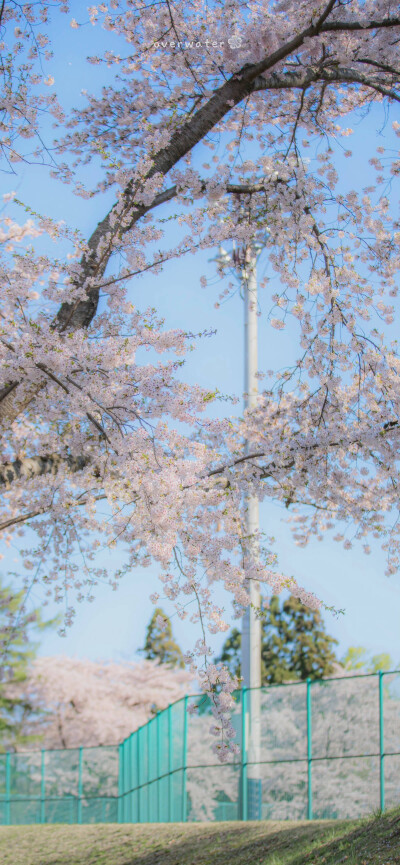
103 441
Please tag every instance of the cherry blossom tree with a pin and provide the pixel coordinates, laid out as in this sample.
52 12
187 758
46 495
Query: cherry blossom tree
25 51
77 703
236 126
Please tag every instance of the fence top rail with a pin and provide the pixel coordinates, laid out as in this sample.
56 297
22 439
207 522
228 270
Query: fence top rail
25 753
237 693
322 679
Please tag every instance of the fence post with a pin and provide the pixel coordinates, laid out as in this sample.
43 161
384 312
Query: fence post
129 781
170 764
129 776
150 815
381 745
8 788
80 764
125 781
138 771
42 788
126 800
309 754
158 741
244 754
184 769
120 781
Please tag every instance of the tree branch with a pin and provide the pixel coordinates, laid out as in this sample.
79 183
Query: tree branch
32 467
345 26
329 74
23 518
127 211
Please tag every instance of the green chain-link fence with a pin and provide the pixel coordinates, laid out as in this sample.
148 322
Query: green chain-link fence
61 786
328 749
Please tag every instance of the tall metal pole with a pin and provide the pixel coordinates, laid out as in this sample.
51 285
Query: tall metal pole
245 262
251 627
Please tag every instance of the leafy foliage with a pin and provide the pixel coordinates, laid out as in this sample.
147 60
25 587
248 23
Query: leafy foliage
358 660
295 644
160 644
17 651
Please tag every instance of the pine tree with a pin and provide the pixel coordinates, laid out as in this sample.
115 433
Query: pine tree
160 644
230 655
17 650
295 645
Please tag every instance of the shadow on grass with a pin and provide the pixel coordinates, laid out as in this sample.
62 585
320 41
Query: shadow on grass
375 841
225 844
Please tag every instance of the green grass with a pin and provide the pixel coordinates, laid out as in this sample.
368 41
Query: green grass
373 841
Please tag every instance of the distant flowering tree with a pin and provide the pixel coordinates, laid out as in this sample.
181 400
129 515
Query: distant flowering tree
87 703
234 133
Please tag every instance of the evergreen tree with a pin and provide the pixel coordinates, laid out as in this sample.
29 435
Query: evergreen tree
160 644
16 652
230 654
294 644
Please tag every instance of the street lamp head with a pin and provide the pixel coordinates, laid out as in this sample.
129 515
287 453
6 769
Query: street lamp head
223 259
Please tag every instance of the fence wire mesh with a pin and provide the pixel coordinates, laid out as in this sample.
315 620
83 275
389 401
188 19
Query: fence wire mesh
62 786
327 749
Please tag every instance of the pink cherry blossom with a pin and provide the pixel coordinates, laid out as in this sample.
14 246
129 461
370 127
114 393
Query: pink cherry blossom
102 439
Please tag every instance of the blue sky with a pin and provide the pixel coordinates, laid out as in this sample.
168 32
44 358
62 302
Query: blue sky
113 626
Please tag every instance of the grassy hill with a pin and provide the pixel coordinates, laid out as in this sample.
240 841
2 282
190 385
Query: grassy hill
374 841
